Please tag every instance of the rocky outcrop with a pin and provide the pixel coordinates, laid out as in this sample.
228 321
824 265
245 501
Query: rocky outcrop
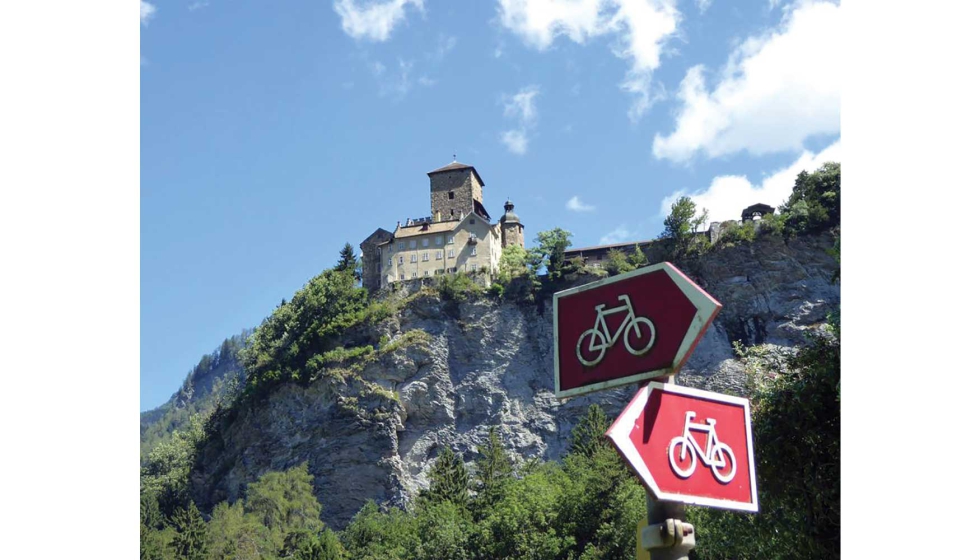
447 372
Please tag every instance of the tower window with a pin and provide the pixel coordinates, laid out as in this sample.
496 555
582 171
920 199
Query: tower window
452 195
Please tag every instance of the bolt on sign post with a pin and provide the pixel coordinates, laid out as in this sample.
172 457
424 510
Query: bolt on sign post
689 446
633 327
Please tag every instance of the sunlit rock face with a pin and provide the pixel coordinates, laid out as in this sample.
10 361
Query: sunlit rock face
374 433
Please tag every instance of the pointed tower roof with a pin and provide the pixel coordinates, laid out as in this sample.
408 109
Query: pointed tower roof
455 166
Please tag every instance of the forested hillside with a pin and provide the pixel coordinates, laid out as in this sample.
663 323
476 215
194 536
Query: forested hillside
218 376
421 423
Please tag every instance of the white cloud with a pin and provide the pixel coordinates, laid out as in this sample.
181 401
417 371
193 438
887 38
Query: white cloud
398 83
521 107
515 140
728 195
146 12
639 28
703 5
576 205
426 81
372 20
777 90
444 46
198 5
618 235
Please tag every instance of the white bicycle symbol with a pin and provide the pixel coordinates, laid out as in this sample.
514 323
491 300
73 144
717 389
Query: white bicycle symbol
714 456
600 339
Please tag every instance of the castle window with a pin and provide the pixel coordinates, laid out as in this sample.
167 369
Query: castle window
389 261
438 255
426 272
472 221
415 258
402 277
452 253
452 195
401 245
425 242
401 260
472 267
415 275
411 244
473 252
450 240
438 240
425 256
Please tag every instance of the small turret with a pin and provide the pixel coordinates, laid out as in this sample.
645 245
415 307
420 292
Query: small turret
511 228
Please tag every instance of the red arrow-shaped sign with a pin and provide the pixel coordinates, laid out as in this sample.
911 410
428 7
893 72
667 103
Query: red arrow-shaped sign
690 446
637 326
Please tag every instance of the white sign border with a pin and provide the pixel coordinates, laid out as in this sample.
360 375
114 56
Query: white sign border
619 434
706 307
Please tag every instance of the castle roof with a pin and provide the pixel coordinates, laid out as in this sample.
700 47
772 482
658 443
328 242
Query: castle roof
433 227
455 166
628 244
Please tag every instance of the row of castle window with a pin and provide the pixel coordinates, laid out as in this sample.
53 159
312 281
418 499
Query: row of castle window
425 243
437 272
425 256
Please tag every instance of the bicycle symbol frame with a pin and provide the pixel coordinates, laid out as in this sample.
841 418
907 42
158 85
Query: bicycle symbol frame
606 340
713 456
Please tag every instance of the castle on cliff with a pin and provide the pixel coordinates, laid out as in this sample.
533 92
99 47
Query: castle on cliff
458 235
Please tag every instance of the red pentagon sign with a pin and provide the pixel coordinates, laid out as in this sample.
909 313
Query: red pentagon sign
637 326
690 446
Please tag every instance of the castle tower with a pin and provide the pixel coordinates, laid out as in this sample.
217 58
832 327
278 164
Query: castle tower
511 228
455 190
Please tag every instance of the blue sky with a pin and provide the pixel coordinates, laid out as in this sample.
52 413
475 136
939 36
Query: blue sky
272 133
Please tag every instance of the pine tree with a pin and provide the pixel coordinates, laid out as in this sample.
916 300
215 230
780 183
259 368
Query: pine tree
191 540
638 258
348 261
493 469
589 435
448 479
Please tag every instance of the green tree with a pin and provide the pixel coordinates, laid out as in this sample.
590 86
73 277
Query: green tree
448 479
284 503
814 203
524 524
796 436
167 468
494 469
638 258
325 546
288 344
348 261
681 227
373 535
444 532
617 262
234 535
513 262
191 538
550 251
589 435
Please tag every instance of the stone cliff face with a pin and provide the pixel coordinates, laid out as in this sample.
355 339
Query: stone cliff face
454 370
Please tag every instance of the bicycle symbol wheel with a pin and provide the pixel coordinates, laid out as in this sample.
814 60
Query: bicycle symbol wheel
679 457
723 468
637 324
586 354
